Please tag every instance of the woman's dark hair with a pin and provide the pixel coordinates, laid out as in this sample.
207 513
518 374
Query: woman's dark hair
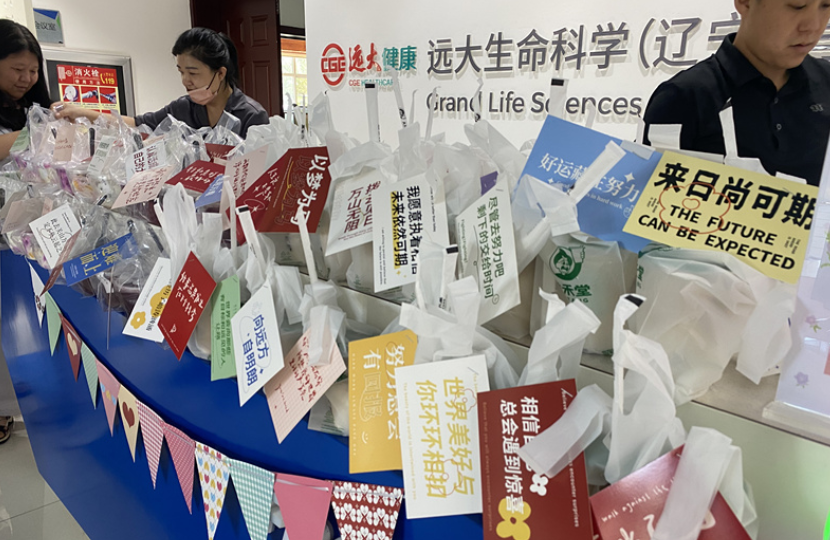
211 48
17 38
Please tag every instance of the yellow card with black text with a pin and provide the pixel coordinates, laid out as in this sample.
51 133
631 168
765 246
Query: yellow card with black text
697 204
374 441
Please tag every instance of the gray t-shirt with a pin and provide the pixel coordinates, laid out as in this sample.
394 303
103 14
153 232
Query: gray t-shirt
249 112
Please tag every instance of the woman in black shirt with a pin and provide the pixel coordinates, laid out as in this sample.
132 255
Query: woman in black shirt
208 64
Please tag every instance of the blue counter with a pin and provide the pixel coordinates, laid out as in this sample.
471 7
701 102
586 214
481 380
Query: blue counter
93 473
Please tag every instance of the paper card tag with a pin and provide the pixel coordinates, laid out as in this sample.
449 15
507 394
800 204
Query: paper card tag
152 156
21 143
213 194
188 299
224 305
143 186
73 345
56 271
438 415
143 321
99 259
256 343
351 212
404 214
218 151
562 153
40 300
487 251
64 141
198 176
488 181
508 419
99 159
53 231
696 204
299 180
244 170
379 509
294 390
633 506
374 444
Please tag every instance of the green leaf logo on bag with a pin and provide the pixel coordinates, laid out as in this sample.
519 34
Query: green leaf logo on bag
566 263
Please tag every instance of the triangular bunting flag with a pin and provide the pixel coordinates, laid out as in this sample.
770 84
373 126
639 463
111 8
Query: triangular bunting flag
153 437
381 504
91 372
110 387
254 489
37 287
129 416
73 345
182 450
304 503
213 476
53 321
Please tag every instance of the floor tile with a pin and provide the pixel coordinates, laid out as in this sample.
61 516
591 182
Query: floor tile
22 489
52 522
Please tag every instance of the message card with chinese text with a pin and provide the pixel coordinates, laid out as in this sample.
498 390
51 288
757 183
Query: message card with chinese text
143 186
99 259
295 389
487 251
351 212
224 305
301 180
143 321
374 440
515 498
53 231
256 343
631 507
561 154
218 151
696 204
152 156
188 299
438 419
198 176
242 171
405 213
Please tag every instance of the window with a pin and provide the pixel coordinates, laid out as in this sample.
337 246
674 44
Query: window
294 71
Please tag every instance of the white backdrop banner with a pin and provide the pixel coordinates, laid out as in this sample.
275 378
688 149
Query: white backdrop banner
613 53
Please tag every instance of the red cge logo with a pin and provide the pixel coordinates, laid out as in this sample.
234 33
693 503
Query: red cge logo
333 64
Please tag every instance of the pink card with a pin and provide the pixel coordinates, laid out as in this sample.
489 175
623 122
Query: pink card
305 505
297 387
198 176
242 171
185 305
143 186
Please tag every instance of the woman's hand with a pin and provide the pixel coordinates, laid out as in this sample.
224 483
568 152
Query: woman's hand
72 112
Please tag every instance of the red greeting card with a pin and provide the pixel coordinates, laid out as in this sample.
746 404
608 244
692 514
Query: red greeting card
185 305
198 176
631 508
218 151
517 502
300 179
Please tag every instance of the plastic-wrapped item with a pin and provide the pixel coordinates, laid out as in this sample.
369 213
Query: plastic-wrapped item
594 272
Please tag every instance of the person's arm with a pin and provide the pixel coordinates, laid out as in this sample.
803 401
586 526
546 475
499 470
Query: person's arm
669 105
259 118
73 112
6 142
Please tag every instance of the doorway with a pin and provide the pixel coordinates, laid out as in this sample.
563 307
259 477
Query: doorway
254 27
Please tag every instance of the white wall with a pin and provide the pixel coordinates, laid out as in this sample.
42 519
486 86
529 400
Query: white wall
144 30
19 11
292 13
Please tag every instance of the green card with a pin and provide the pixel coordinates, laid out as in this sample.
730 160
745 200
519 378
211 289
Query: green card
53 320
225 304
22 141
